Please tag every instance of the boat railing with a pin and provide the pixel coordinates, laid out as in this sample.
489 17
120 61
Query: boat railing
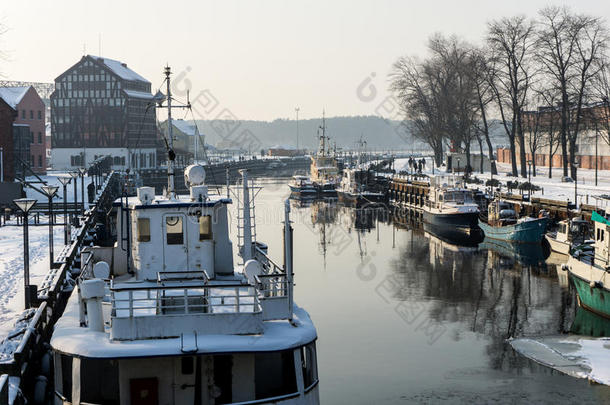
156 310
274 288
272 285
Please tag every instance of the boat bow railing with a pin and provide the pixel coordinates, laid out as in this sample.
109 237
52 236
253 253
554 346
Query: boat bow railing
144 310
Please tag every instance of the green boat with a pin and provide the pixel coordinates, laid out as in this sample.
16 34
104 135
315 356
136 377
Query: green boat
590 270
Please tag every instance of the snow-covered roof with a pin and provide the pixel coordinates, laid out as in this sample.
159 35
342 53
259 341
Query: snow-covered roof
284 147
185 127
13 95
139 94
120 69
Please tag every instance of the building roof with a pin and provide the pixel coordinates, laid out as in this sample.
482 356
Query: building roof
185 127
13 95
119 68
139 94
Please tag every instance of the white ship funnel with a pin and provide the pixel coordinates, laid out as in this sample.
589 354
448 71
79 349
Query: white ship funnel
92 292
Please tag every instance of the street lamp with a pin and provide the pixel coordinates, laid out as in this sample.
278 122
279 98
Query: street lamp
297 111
74 175
529 180
82 172
25 205
65 180
50 192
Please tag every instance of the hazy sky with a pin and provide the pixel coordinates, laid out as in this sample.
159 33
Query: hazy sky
259 59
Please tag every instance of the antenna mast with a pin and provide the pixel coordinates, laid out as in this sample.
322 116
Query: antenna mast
171 191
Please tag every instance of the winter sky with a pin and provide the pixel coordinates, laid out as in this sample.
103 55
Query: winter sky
259 59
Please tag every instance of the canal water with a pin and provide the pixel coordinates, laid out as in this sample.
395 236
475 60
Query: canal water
406 317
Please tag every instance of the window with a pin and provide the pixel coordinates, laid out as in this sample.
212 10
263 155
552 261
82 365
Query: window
205 227
92 372
31 114
173 229
39 160
23 114
274 374
310 369
143 229
39 114
40 137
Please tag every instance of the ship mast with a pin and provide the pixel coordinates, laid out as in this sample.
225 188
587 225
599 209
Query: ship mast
171 191
322 146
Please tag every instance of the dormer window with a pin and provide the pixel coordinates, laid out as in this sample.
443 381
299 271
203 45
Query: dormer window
205 227
173 227
143 229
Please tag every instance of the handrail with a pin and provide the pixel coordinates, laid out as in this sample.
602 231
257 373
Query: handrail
242 303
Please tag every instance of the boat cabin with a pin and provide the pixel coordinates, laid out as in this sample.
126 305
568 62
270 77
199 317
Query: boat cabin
602 240
165 316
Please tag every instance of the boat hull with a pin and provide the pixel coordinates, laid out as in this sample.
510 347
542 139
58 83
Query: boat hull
558 246
303 191
463 222
589 282
523 232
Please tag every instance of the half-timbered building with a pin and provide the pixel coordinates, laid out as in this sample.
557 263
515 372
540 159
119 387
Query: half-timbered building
101 107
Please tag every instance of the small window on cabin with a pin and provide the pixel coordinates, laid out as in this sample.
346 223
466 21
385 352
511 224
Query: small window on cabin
143 229
173 228
205 227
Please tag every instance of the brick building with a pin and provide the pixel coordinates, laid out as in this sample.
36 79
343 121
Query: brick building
593 137
31 113
7 116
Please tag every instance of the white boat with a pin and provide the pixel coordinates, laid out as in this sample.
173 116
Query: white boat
590 269
450 208
165 316
324 171
302 186
570 233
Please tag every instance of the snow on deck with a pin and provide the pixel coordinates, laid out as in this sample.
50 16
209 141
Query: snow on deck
70 337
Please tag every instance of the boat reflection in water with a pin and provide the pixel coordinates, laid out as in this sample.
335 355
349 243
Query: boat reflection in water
528 254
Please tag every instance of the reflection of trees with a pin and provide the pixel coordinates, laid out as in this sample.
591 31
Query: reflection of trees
482 291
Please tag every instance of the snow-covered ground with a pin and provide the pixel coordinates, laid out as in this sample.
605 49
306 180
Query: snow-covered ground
551 188
11 252
11 266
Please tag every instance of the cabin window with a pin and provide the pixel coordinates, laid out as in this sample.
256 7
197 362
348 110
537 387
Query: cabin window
92 372
309 364
173 228
205 227
143 229
274 374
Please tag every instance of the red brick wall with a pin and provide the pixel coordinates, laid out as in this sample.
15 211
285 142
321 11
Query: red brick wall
7 115
542 160
34 110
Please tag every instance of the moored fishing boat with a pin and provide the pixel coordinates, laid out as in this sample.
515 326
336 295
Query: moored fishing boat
502 223
302 186
323 170
590 269
450 209
569 233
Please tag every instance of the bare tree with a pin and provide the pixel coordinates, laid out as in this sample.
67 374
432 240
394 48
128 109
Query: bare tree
418 96
438 95
591 53
570 48
550 120
480 71
510 41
